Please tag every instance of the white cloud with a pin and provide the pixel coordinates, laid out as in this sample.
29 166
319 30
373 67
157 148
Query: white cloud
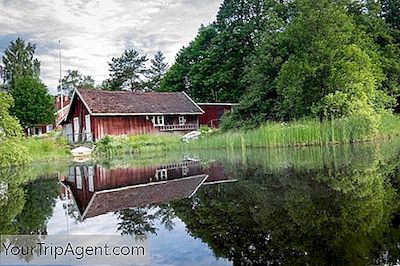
92 32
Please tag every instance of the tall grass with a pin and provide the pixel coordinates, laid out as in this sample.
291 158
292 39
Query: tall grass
299 133
46 148
111 146
272 134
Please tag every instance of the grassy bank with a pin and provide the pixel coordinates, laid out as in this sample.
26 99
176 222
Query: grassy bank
300 133
47 148
138 144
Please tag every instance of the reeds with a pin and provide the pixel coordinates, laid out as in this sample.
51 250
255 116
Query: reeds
300 133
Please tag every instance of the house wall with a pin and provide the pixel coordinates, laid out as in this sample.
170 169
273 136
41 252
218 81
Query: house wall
78 110
101 126
212 114
120 125
129 125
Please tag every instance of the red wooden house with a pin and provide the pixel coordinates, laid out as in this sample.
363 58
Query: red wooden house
94 114
213 113
97 190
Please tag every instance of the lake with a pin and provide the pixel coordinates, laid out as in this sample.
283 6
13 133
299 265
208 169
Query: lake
335 205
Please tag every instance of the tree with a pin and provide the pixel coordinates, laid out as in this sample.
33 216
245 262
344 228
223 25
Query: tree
41 196
33 104
74 79
19 61
212 67
127 71
371 16
184 74
391 13
332 69
156 72
12 152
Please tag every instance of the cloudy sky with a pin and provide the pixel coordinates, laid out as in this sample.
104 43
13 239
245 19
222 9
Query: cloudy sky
94 31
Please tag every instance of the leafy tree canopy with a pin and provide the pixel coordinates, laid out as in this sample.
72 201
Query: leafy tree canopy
33 104
11 150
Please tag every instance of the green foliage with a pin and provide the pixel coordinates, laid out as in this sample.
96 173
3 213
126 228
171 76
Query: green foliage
331 65
74 79
41 198
19 61
47 148
12 152
33 104
391 13
337 212
305 132
185 74
287 60
127 72
212 66
9 126
156 72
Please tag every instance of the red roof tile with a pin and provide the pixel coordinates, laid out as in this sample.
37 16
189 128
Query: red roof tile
122 102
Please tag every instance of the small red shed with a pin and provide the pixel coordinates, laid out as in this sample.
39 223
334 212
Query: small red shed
94 114
213 113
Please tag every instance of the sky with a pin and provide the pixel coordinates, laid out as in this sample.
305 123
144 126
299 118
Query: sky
94 31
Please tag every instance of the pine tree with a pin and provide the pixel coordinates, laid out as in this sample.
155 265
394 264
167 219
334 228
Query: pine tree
157 71
19 61
74 79
127 72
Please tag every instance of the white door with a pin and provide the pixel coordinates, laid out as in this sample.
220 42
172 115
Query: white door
76 129
67 132
88 128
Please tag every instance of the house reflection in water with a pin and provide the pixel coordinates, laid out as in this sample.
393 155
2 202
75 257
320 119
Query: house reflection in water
98 190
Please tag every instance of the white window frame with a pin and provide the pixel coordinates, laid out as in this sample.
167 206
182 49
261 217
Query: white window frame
185 170
88 130
161 174
181 120
76 128
49 128
158 120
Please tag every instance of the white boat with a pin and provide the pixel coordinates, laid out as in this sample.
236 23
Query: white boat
191 136
81 152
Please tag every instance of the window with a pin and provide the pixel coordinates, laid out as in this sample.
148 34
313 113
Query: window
158 120
161 174
185 171
182 120
49 128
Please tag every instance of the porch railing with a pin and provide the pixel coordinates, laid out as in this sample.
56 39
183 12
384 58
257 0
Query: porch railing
178 127
80 138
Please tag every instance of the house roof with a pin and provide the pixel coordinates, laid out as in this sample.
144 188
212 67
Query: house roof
140 195
101 102
219 104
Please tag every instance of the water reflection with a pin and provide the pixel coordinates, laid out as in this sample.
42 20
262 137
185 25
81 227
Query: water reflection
318 206
97 190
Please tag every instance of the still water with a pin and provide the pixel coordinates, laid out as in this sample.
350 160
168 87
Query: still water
335 205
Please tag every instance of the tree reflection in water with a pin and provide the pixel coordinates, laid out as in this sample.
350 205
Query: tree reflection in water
334 206
140 221
333 215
